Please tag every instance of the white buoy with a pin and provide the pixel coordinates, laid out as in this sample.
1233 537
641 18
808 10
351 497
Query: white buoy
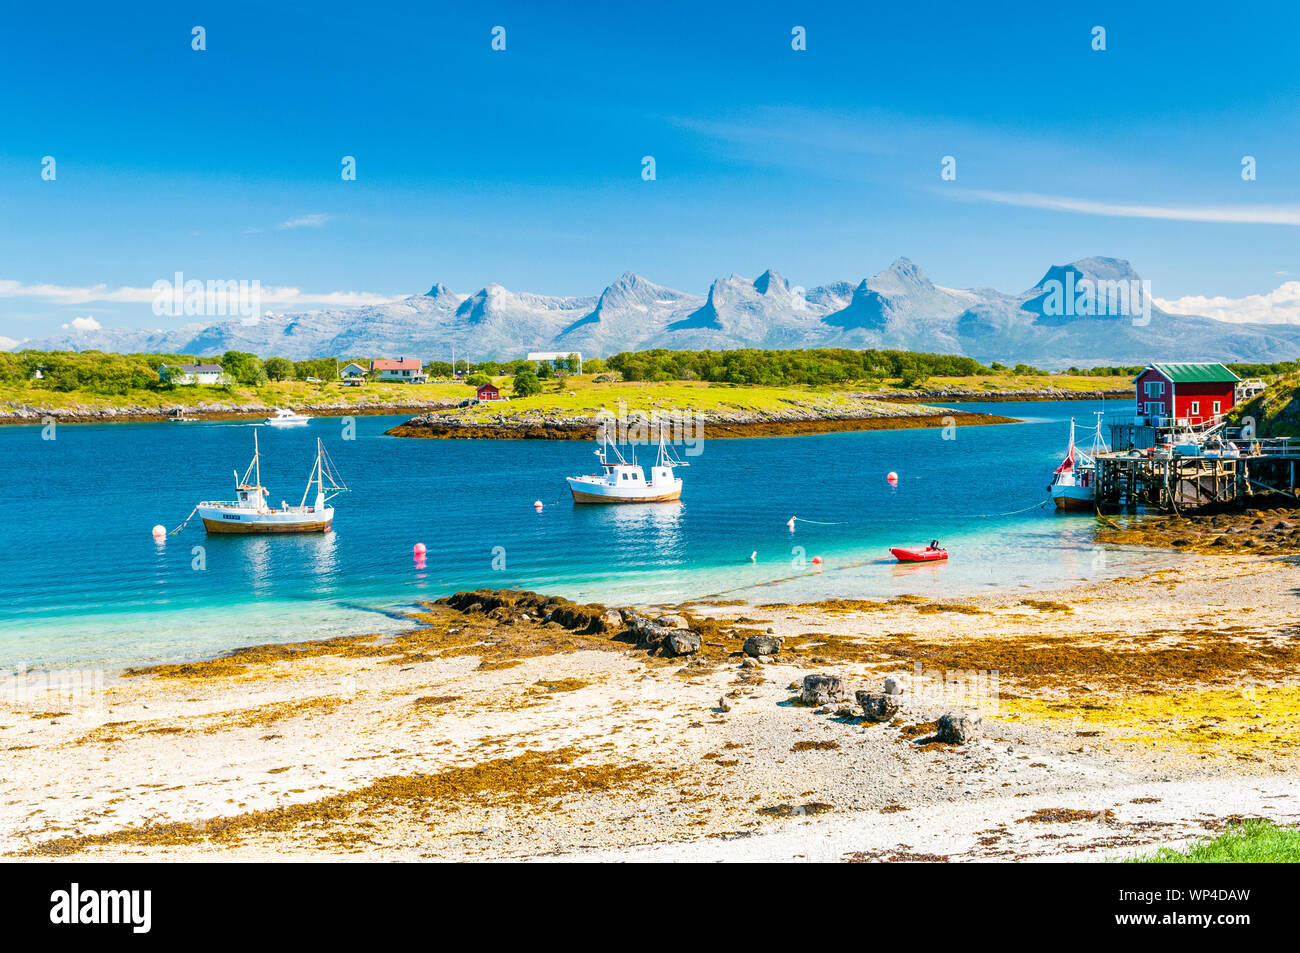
159 531
753 557
791 523
537 505
892 477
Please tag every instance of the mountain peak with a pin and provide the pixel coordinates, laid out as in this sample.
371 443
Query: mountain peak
439 290
769 281
1095 268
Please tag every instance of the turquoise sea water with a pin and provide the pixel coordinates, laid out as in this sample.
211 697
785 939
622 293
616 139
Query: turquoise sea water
85 585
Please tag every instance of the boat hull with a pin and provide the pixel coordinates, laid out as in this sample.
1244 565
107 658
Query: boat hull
1075 499
595 491
582 496
918 555
237 521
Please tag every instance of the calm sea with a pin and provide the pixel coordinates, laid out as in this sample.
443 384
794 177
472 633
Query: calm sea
85 584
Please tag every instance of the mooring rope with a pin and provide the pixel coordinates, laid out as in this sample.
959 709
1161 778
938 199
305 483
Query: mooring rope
987 516
184 524
980 516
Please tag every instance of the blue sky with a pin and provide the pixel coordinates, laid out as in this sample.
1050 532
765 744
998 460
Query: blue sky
523 167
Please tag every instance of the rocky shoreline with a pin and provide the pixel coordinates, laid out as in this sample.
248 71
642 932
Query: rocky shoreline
1271 531
733 425
30 414
24 414
971 395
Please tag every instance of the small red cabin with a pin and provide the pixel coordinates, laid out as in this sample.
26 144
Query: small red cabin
1185 394
488 392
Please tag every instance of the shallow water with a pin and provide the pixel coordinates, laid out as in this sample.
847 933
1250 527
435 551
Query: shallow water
85 584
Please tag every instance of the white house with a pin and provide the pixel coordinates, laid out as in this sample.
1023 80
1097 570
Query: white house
403 371
352 370
188 375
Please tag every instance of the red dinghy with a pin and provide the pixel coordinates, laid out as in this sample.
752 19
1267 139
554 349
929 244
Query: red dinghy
928 554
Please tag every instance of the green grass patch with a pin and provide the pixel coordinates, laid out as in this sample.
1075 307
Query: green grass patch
1250 842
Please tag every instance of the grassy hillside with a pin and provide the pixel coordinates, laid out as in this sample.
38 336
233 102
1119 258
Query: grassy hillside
1276 411
270 394
585 394
573 394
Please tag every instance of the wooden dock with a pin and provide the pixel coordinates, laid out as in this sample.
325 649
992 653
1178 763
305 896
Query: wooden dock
1186 480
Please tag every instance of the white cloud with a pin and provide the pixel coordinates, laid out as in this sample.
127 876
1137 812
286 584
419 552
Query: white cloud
83 324
8 344
314 220
285 297
1231 214
1279 306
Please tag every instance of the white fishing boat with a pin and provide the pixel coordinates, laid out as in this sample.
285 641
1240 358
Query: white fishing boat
1074 482
286 418
623 482
249 512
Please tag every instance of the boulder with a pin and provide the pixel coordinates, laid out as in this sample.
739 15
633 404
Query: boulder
893 686
878 706
672 622
820 690
748 662
613 619
958 728
757 646
683 642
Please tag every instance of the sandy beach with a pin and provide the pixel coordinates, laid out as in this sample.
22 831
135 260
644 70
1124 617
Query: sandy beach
1116 717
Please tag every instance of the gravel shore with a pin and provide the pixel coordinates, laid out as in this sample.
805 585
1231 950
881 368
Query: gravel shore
1116 717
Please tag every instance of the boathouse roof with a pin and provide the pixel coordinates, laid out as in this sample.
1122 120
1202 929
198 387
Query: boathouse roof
1193 373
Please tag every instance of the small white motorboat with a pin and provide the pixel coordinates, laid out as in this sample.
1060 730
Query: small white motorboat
286 418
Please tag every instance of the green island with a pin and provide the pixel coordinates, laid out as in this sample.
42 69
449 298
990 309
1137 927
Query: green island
99 386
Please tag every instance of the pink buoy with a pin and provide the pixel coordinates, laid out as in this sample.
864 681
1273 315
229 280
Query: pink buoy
159 531
817 560
892 477
537 505
419 550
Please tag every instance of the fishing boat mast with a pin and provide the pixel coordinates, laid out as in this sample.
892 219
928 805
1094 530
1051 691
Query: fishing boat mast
319 468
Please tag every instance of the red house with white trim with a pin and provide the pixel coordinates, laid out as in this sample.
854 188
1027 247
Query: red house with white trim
1185 394
488 392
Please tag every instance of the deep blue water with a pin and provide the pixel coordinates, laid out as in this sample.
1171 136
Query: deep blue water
84 583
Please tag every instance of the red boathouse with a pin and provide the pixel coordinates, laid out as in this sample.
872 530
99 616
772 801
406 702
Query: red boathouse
1185 394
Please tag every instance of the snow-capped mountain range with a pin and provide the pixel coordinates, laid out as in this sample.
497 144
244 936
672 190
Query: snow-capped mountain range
898 308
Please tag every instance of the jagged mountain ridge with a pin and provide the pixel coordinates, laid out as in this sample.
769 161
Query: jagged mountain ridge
898 308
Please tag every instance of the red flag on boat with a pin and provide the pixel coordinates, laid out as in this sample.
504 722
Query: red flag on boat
1067 465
